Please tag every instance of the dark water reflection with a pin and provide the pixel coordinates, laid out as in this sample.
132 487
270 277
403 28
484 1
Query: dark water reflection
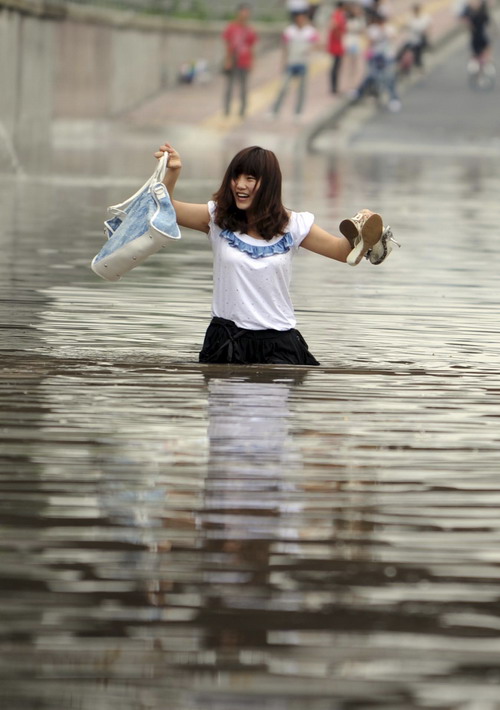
184 537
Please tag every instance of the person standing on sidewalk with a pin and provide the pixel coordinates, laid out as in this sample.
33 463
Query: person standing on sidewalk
299 39
239 38
417 41
336 32
354 42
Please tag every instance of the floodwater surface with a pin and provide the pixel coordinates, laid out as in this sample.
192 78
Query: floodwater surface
185 537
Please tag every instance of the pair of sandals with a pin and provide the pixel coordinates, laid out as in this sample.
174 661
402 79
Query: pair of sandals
368 237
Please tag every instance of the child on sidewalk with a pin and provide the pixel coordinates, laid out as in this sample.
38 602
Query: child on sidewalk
254 239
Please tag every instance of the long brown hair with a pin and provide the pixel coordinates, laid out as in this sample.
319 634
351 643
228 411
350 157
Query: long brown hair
267 215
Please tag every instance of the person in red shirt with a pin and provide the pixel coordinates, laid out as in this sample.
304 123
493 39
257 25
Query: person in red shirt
336 32
239 38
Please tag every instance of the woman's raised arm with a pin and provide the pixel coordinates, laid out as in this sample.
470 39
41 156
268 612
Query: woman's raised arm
322 242
190 215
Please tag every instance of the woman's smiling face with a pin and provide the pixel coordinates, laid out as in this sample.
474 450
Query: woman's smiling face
244 188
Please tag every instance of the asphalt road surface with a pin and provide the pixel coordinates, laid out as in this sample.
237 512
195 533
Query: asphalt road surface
441 113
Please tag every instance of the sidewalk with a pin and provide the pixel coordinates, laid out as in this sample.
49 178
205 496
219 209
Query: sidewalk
199 105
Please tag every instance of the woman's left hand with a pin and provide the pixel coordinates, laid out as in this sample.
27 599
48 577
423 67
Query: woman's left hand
174 159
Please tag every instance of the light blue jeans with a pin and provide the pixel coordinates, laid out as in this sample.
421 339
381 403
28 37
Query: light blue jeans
292 71
381 75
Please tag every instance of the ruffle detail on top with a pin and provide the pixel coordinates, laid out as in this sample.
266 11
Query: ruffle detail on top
258 252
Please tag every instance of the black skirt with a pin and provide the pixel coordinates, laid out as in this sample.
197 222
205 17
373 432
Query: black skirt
225 342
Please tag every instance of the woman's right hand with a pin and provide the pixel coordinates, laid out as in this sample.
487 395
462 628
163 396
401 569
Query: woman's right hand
174 159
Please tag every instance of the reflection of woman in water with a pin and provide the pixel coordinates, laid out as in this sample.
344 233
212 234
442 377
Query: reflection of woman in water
247 495
250 448
254 239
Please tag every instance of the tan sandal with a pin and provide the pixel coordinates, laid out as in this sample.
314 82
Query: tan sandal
362 231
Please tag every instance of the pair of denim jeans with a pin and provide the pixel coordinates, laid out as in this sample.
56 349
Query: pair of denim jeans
292 71
236 75
381 75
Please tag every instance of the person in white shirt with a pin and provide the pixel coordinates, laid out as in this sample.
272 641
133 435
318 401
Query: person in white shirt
417 37
299 39
254 239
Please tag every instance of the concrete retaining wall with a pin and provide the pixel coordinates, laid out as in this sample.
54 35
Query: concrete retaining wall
104 71
26 83
63 61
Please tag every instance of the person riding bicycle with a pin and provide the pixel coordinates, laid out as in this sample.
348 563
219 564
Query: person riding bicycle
477 17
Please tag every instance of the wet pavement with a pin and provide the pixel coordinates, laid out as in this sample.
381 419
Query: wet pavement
190 537
199 106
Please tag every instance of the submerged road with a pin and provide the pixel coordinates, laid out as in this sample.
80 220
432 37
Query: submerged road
220 538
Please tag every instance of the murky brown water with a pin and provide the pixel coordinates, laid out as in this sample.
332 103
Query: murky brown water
184 537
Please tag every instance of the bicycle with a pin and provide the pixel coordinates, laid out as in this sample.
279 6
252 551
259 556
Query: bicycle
481 73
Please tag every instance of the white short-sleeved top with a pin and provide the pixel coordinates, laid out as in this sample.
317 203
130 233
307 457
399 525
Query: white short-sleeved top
251 278
299 42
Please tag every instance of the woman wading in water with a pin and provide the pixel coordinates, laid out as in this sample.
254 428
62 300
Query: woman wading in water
254 239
